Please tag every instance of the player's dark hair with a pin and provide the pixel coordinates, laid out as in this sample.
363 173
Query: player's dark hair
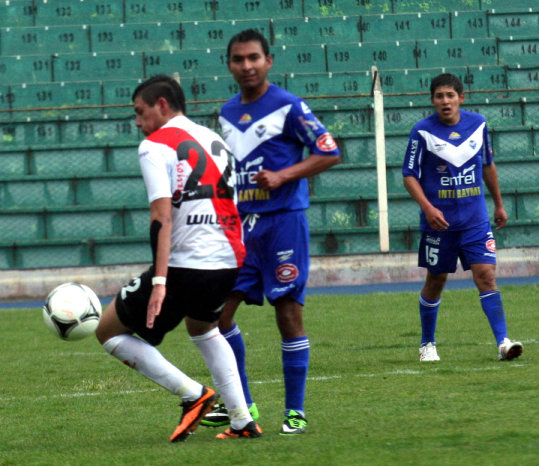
246 36
446 79
164 86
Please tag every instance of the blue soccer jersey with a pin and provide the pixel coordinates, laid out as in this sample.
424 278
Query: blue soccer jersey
448 163
271 133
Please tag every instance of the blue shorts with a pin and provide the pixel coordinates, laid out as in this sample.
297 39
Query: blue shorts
277 260
439 250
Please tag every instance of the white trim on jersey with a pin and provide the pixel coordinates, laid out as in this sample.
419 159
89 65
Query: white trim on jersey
246 142
455 155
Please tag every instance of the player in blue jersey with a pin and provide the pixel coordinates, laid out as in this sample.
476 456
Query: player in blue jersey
268 129
447 159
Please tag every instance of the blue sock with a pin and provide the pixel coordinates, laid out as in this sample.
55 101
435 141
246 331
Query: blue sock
428 312
295 353
491 302
235 340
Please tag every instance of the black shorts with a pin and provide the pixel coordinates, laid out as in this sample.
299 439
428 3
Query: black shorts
198 294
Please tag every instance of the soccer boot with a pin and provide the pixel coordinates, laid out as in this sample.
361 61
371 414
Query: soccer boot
293 424
251 430
508 350
193 412
428 352
218 417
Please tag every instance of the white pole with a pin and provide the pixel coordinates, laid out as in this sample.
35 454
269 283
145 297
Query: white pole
379 134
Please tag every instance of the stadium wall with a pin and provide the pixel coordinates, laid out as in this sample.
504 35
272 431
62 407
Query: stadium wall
325 271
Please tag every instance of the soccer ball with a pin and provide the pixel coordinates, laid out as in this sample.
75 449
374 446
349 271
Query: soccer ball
72 311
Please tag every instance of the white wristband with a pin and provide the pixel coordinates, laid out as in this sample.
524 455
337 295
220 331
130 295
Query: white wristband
159 281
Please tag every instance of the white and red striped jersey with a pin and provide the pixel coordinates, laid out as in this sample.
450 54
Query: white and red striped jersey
193 166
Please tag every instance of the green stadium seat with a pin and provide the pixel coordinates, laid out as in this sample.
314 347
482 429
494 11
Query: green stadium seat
342 214
523 52
396 145
12 135
34 191
346 7
394 182
21 226
43 40
342 122
523 78
469 24
68 12
360 149
47 254
256 10
90 132
531 117
403 211
137 221
46 95
122 158
13 163
362 55
41 133
345 180
504 5
321 30
405 6
195 62
146 11
456 52
505 114
404 239
216 34
299 59
401 118
512 145
505 25
123 251
25 69
209 88
401 27
83 224
68 162
357 241
398 81
518 236
17 14
138 37
116 190
528 206
336 84
485 82
106 65
117 98
515 175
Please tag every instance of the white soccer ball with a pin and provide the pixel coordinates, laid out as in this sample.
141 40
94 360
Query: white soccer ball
72 311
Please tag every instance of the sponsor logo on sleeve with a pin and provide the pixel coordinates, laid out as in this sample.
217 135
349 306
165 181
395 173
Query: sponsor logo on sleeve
326 143
246 118
286 273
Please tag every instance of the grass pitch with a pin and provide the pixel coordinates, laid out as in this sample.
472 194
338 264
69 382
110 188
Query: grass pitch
369 400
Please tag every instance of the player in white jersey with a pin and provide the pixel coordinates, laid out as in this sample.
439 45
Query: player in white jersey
196 239
447 159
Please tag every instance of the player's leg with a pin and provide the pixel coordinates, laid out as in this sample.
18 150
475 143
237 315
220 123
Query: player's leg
222 365
438 253
479 255
118 341
295 348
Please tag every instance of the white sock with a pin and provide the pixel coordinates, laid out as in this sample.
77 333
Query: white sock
221 362
149 362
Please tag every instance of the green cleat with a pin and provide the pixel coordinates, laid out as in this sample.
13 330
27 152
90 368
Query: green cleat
294 424
218 417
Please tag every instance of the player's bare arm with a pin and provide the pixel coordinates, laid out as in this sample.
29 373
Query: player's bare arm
434 216
160 215
490 176
310 166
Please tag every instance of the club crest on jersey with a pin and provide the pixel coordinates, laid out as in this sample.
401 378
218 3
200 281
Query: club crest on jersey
246 118
326 143
473 144
286 273
441 168
260 130
491 245
454 135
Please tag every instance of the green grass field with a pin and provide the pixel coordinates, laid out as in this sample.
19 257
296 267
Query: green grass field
369 399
